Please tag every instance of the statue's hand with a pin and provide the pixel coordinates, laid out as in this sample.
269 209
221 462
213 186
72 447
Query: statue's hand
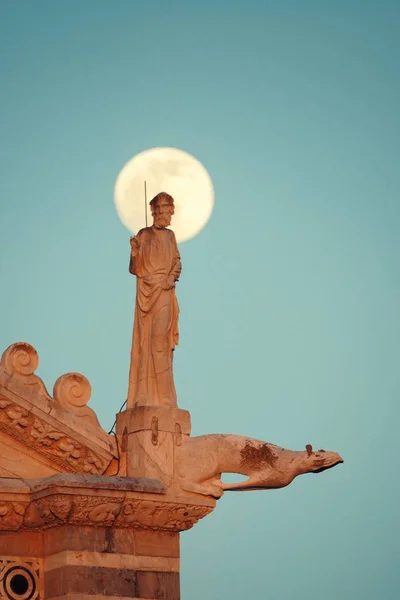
170 283
134 245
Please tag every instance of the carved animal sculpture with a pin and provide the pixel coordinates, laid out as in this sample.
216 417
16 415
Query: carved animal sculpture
205 458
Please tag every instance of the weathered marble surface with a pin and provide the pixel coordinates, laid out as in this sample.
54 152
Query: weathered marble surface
203 460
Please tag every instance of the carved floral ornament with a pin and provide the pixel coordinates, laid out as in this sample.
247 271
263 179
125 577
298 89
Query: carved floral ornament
71 394
60 448
118 511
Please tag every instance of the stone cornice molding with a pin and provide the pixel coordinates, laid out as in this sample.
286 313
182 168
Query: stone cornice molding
96 501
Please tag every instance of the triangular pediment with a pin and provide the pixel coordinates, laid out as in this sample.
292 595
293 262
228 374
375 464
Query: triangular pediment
41 435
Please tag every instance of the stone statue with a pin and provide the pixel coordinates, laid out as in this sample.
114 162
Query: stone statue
156 263
204 459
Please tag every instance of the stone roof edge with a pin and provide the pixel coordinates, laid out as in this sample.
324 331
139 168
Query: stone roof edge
24 400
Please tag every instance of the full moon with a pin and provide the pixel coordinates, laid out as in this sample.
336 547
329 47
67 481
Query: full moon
165 170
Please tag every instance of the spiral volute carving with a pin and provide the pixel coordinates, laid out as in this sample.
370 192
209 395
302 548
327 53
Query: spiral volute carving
72 389
20 358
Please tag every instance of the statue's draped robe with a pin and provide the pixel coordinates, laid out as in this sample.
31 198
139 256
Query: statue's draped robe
155 330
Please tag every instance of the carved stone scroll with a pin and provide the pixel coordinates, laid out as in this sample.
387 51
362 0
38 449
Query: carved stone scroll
22 360
72 392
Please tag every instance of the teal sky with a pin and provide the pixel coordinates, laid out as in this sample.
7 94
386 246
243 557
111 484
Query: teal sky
289 298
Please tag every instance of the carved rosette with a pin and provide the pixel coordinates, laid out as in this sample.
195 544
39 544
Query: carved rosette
29 571
12 515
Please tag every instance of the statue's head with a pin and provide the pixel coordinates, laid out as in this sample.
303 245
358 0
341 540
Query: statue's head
162 209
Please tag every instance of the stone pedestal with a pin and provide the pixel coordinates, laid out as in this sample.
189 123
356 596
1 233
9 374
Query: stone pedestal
151 438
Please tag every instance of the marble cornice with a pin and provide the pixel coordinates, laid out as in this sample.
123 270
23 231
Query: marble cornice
89 500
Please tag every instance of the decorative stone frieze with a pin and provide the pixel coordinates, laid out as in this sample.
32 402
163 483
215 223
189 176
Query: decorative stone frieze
96 501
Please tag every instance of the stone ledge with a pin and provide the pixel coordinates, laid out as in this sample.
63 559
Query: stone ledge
97 482
96 501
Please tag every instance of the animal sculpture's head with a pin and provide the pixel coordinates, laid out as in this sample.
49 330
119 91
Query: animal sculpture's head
320 460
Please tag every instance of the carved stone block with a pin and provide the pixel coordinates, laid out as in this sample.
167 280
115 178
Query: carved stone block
143 418
148 438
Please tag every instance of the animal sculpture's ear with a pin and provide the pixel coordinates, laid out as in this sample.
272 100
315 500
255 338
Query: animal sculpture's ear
309 449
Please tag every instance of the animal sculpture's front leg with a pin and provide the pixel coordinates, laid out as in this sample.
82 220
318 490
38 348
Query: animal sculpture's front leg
205 489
